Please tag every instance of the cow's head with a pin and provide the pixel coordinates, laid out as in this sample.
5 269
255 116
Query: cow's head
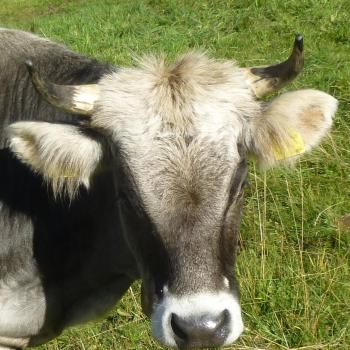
177 137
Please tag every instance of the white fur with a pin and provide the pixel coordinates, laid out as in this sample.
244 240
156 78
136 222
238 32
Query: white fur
61 153
294 104
12 343
192 305
85 97
22 307
309 113
226 282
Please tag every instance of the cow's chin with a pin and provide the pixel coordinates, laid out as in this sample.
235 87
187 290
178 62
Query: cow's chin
197 320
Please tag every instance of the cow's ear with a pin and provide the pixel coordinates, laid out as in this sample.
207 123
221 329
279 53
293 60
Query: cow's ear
64 155
291 125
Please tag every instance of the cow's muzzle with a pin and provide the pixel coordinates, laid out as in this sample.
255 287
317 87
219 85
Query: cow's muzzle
196 321
203 330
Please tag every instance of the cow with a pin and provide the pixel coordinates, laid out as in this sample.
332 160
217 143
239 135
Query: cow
111 174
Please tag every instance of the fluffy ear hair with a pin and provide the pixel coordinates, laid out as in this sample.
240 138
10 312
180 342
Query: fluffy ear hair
63 154
291 125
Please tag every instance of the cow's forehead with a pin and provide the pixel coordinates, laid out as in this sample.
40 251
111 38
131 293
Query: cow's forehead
178 127
177 177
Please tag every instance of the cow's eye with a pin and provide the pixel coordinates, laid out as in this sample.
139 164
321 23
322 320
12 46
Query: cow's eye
160 292
245 184
241 186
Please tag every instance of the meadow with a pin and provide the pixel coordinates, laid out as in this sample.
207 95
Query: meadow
294 260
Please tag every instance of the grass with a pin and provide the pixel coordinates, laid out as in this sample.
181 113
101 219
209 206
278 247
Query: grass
293 266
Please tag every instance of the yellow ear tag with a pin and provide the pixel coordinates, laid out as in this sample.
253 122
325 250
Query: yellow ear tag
295 147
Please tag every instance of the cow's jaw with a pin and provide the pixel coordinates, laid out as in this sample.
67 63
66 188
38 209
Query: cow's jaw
211 319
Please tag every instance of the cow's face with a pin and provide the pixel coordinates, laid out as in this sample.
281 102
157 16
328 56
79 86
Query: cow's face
187 263
178 136
182 162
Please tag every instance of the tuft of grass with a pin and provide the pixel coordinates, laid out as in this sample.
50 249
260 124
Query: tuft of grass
293 265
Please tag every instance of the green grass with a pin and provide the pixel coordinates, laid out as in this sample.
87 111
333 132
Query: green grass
293 266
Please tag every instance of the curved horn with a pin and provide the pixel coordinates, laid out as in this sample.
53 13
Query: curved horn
76 99
266 79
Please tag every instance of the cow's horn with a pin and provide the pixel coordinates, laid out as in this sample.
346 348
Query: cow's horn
266 79
76 99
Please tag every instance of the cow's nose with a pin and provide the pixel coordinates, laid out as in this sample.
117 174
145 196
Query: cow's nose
201 331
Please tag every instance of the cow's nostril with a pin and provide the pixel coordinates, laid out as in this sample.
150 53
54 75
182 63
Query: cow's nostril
201 331
176 327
